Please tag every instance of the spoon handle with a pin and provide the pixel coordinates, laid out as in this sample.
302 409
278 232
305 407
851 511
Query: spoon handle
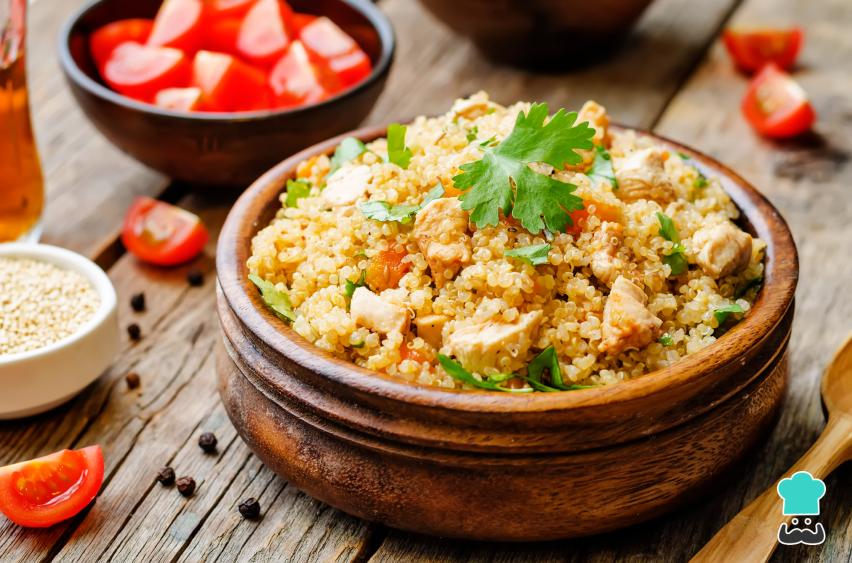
753 533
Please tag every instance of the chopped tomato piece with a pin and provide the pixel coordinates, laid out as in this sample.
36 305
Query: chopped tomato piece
229 84
386 269
221 35
104 41
406 352
47 490
162 234
140 71
295 80
602 211
352 68
341 54
229 8
776 106
751 50
266 32
180 99
302 20
179 24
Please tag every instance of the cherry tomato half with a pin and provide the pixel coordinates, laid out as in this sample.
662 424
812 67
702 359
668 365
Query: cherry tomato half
326 42
162 234
179 24
229 84
776 106
266 32
751 50
180 99
140 71
104 41
43 491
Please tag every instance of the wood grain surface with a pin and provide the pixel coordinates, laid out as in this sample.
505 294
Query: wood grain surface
672 75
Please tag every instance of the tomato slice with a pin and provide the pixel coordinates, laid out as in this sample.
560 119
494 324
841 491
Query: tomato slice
295 80
325 41
300 21
752 49
180 99
140 71
776 106
229 8
221 35
266 32
352 68
229 84
47 490
386 269
104 41
162 234
179 24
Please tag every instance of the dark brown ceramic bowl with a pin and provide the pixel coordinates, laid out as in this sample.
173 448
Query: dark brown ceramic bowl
221 149
497 466
540 33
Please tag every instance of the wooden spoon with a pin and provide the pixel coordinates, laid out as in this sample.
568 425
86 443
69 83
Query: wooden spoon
753 533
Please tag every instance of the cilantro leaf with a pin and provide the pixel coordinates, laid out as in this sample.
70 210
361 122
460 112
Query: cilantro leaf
296 190
667 228
666 340
398 153
457 372
351 286
349 148
700 180
602 167
683 155
676 259
722 313
276 300
384 211
546 360
358 344
535 254
502 179
472 133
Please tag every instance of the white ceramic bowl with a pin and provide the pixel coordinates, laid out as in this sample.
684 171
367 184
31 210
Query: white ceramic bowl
38 380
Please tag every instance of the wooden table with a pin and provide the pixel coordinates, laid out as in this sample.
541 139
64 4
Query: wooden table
671 76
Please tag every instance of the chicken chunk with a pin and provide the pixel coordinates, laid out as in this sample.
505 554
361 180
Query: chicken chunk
598 120
430 328
627 322
605 264
370 310
441 233
482 345
347 185
642 175
722 250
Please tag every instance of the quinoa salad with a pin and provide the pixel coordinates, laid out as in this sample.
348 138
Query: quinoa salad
508 249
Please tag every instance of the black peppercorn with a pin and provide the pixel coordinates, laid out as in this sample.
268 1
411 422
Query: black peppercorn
137 302
208 442
186 486
132 380
166 476
134 332
195 278
250 508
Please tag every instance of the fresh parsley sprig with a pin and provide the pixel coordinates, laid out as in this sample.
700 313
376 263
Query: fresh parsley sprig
349 148
602 167
547 361
455 369
722 313
676 259
666 340
296 190
502 180
276 300
535 254
351 286
398 153
404 214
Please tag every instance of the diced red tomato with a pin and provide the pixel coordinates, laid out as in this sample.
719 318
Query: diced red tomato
179 24
352 68
140 71
266 32
229 8
104 41
301 20
47 490
295 80
386 269
602 211
751 50
221 34
162 234
229 84
180 99
776 106
324 40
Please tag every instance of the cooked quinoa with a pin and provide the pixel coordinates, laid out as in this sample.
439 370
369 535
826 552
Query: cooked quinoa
604 295
41 303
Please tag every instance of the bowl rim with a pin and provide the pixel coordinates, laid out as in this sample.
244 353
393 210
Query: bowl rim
772 303
69 260
379 21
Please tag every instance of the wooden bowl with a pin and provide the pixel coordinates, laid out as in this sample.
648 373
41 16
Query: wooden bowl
545 34
221 149
497 466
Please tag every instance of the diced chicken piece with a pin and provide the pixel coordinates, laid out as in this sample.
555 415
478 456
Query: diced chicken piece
347 185
430 328
373 312
474 106
598 120
482 345
642 175
722 250
441 233
605 265
627 323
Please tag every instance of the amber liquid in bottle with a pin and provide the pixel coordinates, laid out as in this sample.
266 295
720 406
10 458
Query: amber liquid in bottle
21 182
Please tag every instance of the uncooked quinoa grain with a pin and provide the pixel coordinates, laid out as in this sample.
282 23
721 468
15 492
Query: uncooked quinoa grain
41 303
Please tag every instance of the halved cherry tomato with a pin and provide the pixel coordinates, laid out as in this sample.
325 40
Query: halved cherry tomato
326 41
301 20
162 234
266 32
386 269
776 106
140 71
752 49
352 68
179 24
180 99
229 8
229 84
220 35
104 41
47 490
295 80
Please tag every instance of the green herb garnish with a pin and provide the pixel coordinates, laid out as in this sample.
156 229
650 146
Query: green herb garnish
357 345
384 211
276 300
722 313
602 167
676 259
296 190
489 142
351 286
683 155
398 153
547 361
535 254
349 148
666 340
503 182
700 180
458 373
755 284
472 133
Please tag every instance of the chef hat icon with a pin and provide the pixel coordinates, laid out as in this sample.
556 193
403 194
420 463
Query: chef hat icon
801 494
